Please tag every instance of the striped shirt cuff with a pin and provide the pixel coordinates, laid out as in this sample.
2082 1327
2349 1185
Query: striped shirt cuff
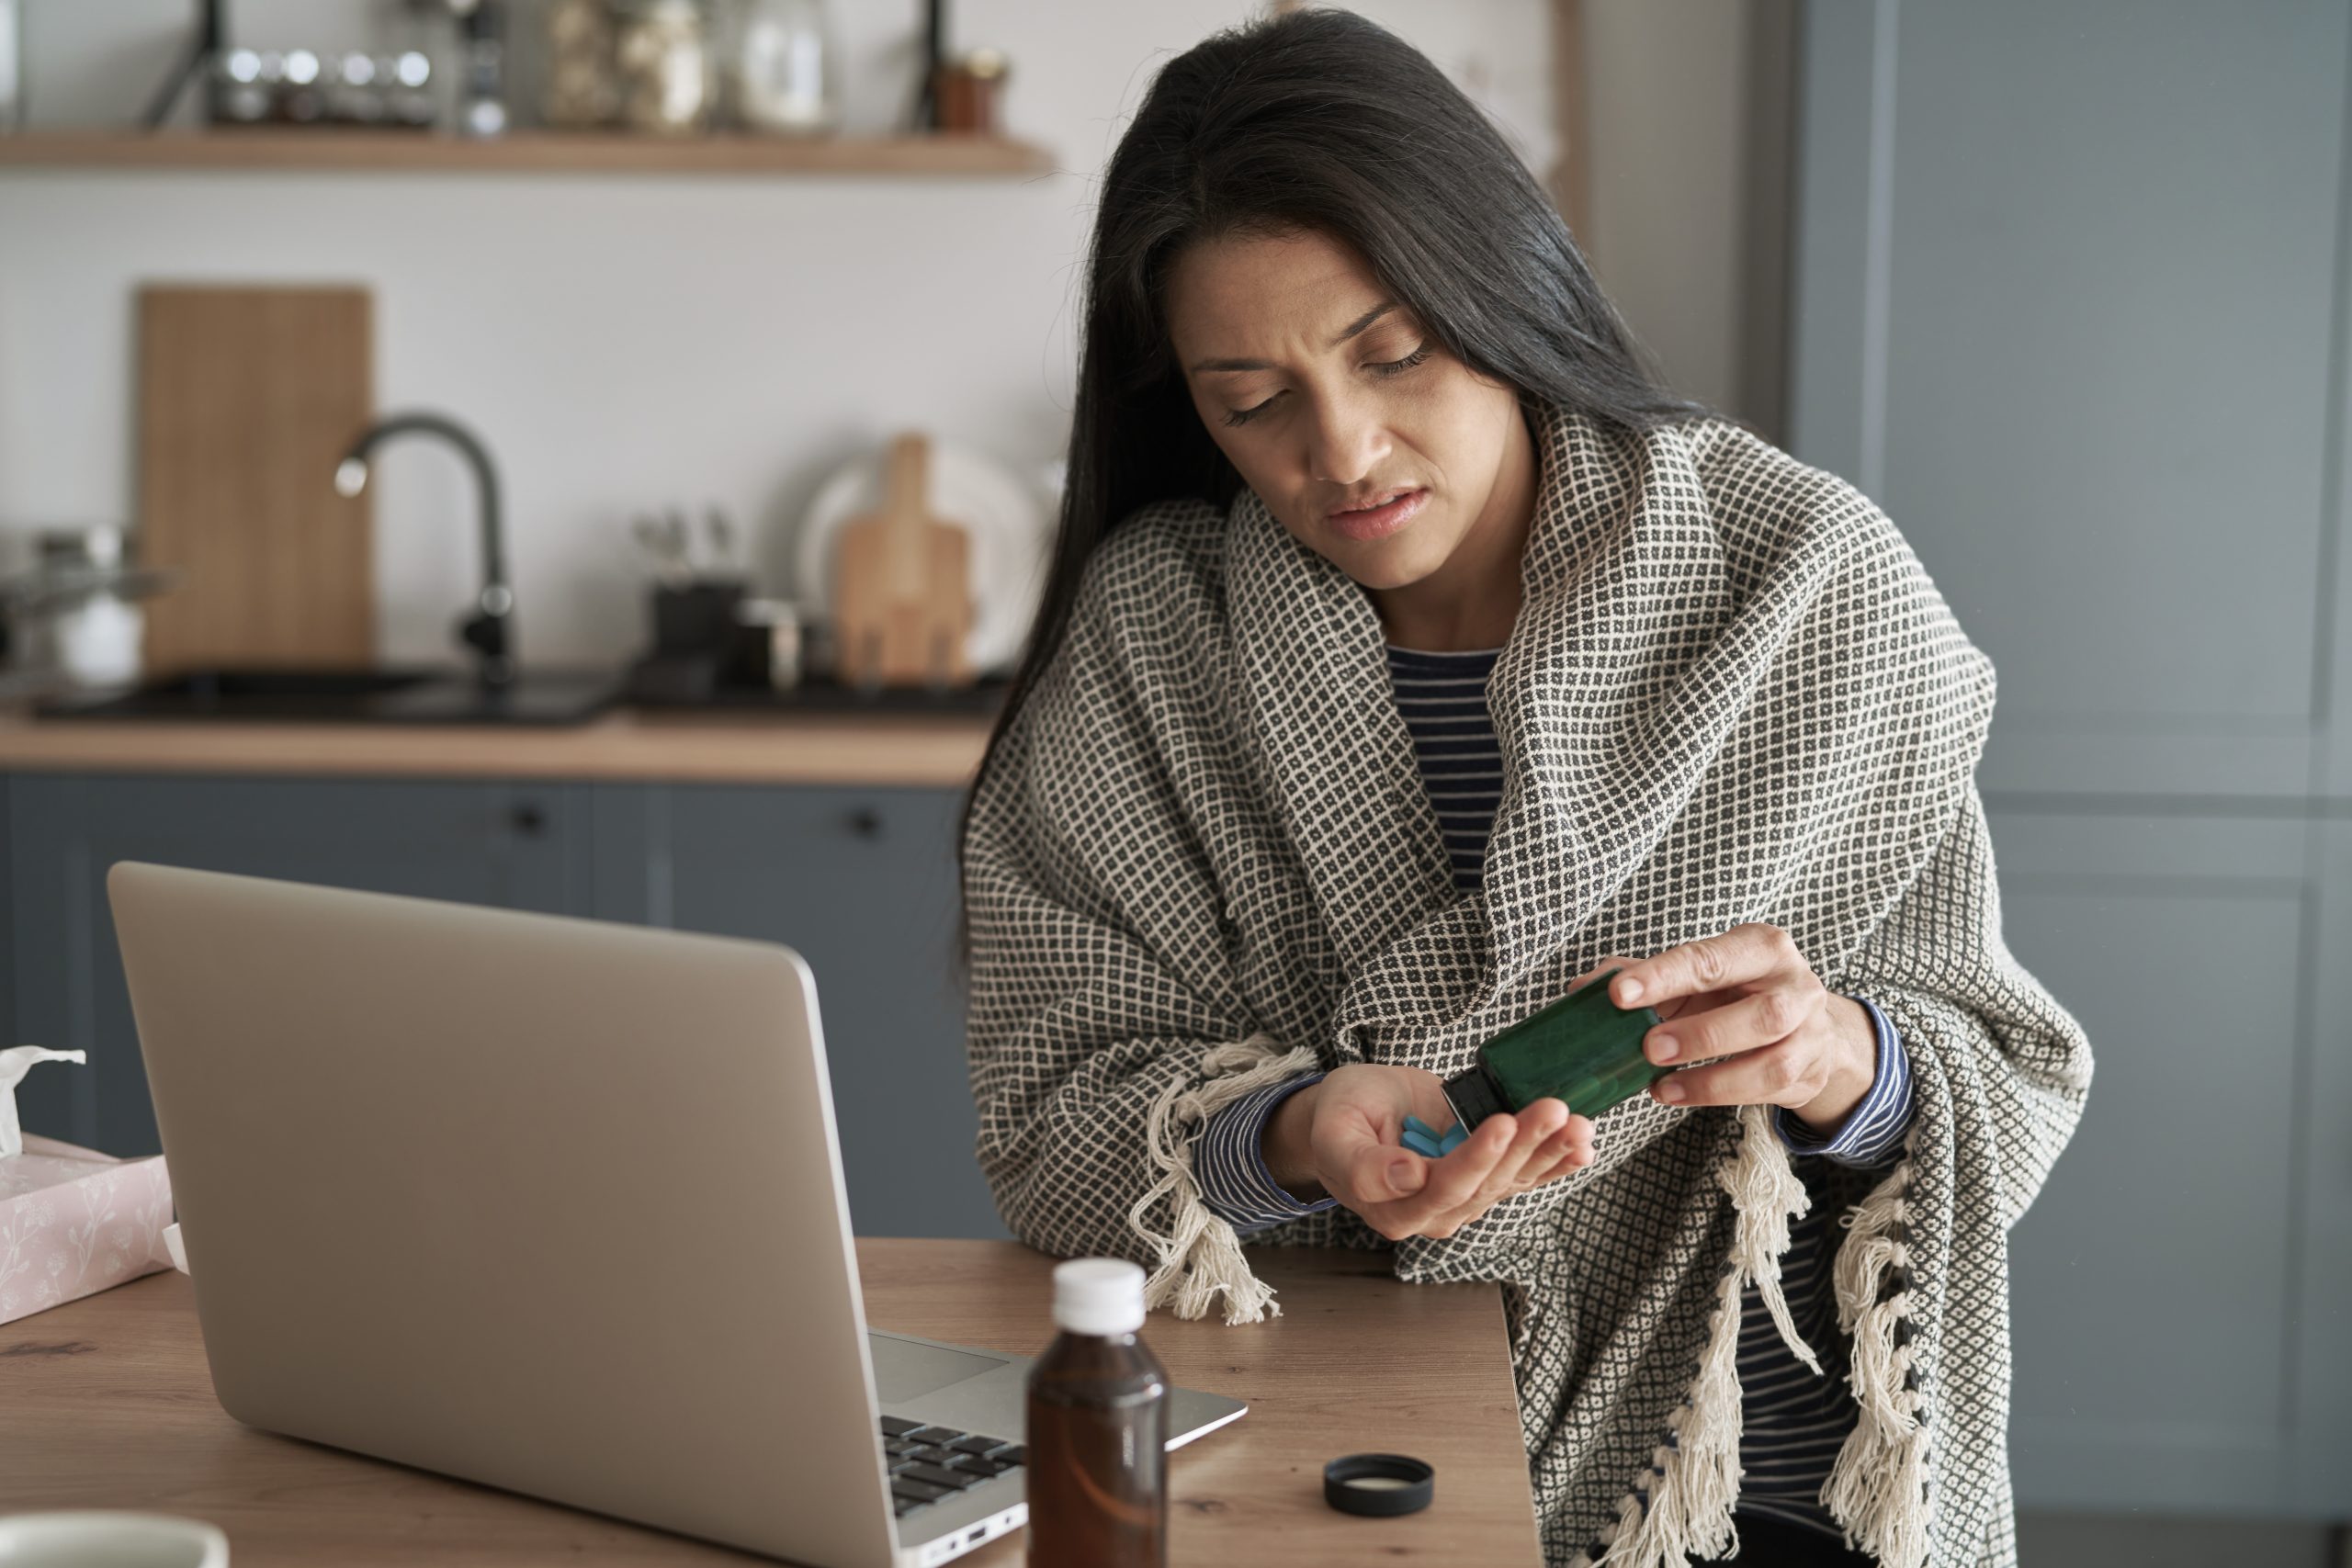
1230 1166
1874 1130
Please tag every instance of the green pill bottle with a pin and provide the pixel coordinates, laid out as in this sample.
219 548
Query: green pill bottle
1583 1049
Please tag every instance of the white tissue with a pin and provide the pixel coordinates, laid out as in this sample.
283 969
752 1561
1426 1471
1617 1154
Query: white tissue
14 1063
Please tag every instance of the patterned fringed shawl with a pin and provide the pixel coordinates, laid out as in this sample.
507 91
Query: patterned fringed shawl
1205 858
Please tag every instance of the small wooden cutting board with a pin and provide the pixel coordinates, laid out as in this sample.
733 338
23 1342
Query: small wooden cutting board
902 608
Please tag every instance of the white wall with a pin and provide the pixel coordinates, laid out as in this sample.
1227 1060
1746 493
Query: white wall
631 343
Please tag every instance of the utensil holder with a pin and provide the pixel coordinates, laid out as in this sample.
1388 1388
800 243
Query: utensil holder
697 618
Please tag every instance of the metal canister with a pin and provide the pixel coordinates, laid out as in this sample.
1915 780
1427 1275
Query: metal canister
773 652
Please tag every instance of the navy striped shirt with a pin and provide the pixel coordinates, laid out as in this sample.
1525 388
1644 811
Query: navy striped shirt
1443 699
1792 1421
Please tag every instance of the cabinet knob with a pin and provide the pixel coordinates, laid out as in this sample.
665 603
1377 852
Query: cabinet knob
865 822
527 818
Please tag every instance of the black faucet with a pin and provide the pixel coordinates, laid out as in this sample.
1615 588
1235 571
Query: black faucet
488 631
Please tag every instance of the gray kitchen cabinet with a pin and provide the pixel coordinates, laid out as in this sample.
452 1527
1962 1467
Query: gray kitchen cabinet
862 883
2162 1344
2066 291
2067 305
2320 1345
516 844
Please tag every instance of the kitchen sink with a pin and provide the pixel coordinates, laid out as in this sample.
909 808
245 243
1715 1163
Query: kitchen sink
418 694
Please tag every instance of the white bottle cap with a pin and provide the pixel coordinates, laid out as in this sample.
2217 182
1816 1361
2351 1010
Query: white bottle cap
1098 1295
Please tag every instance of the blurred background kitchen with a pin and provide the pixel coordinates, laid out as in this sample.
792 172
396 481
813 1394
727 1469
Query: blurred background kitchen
596 455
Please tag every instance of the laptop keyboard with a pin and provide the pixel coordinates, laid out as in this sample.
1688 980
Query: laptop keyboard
930 1462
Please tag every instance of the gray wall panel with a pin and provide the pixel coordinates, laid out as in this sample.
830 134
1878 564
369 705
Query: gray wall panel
2154 1281
2111 263
1832 351
2319 1399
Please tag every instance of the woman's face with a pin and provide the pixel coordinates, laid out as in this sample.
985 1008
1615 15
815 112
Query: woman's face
1330 398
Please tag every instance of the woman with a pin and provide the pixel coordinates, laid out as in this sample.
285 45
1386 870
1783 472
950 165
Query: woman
1410 657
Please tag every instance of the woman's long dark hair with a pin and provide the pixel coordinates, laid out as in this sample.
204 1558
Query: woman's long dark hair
1319 121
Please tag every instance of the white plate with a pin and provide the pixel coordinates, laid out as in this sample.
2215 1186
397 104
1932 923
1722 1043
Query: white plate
1004 515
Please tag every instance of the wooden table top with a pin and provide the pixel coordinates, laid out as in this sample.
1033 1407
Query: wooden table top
787 748
109 1405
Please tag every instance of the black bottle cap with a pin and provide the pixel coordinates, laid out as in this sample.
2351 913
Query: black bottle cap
1378 1484
1473 1099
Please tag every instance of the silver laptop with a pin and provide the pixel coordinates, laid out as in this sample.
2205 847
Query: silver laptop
553 1204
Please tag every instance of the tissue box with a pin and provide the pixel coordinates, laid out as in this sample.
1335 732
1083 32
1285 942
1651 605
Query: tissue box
73 1221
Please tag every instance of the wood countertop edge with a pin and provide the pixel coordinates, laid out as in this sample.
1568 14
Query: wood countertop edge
859 749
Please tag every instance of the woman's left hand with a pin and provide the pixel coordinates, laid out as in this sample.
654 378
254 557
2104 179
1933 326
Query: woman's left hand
1748 995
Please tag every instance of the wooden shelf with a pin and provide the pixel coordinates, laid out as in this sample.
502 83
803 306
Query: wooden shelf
529 151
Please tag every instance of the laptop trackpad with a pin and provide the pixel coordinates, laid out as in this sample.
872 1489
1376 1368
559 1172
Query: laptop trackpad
904 1370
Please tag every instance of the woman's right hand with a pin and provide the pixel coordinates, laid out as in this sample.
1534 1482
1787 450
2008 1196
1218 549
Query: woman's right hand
1340 1136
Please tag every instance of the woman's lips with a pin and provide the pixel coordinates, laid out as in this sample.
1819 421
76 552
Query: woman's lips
1373 521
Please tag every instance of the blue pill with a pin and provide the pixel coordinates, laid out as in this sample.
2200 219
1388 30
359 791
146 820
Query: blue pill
1414 1124
1427 1148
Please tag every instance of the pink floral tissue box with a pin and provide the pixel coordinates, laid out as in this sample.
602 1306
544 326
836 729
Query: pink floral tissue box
74 1222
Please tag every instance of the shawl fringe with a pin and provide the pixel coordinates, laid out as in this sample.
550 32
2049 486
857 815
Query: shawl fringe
1682 1507
1200 1258
1878 1488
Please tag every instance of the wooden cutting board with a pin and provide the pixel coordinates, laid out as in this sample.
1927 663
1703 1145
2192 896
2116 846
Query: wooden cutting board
247 398
902 607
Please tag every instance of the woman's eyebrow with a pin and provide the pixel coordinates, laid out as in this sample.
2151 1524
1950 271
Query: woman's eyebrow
1359 324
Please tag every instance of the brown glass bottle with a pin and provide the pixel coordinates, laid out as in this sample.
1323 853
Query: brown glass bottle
1096 1471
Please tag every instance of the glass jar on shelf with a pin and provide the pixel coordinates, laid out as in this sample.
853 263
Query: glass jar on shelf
662 53
579 81
781 67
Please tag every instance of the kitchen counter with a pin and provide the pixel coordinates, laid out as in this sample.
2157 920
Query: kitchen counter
864 749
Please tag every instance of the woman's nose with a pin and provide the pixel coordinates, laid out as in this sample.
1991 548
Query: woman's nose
1345 443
